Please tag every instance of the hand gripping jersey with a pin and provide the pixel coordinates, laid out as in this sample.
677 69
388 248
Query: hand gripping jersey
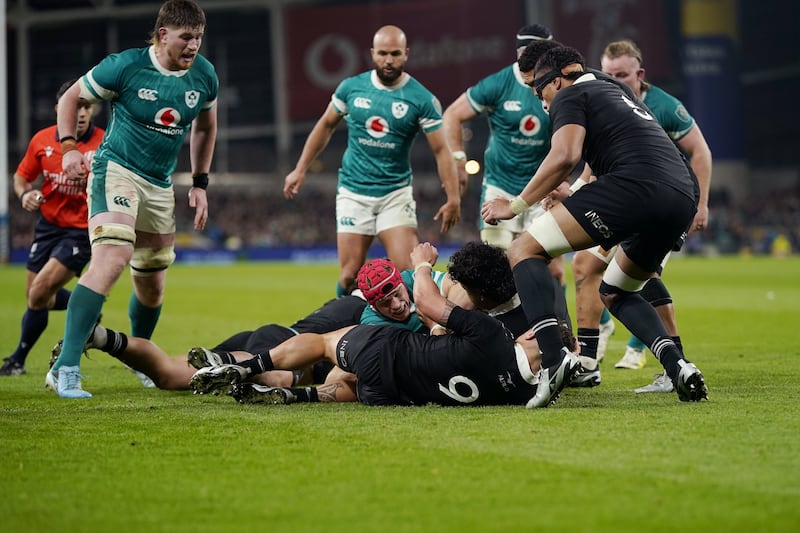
382 123
65 204
152 109
520 128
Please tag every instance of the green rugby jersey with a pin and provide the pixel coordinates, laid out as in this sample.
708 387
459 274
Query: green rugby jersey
152 109
520 128
382 123
669 112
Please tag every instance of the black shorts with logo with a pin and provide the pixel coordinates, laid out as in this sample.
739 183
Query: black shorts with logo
70 246
365 351
647 217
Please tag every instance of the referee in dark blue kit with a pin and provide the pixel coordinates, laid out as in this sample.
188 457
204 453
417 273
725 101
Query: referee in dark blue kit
644 199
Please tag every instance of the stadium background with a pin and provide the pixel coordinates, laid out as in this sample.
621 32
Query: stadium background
735 64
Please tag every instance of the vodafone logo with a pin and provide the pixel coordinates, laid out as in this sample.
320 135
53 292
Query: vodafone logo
377 127
168 116
529 125
331 58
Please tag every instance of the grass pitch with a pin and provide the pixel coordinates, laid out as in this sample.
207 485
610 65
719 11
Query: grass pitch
602 459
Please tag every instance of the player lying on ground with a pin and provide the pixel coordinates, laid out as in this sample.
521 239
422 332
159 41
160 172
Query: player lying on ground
479 363
394 307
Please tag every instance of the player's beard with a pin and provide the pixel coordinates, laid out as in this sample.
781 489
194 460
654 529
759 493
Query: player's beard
391 77
177 61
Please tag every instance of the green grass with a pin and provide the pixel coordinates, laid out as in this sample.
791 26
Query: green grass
603 459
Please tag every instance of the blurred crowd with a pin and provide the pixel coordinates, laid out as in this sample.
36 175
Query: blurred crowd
249 217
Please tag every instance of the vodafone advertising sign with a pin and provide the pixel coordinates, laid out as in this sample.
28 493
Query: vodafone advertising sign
452 44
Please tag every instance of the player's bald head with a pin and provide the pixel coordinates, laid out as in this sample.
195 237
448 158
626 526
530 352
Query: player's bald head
389 37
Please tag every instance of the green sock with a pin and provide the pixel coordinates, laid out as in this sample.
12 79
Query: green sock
82 311
605 317
340 291
143 318
635 343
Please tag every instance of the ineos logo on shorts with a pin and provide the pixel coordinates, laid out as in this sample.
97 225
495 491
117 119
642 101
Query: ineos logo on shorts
363 103
168 117
148 94
121 200
377 127
342 350
595 220
529 125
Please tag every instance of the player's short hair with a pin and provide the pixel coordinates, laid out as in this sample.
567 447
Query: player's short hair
377 278
64 88
558 58
179 14
533 32
533 52
625 47
484 270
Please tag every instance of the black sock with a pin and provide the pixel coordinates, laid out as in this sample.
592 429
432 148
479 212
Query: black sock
668 355
636 314
116 343
643 321
34 322
62 299
259 363
226 357
537 293
305 394
587 340
677 340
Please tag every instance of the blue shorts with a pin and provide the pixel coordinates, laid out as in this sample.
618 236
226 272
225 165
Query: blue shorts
70 246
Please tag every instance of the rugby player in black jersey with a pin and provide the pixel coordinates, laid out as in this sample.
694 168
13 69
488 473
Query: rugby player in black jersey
644 199
478 363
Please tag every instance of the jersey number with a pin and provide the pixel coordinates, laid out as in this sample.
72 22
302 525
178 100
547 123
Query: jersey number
637 110
454 394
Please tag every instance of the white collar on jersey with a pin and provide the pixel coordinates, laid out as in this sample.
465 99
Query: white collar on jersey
513 303
378 84
518 74
586 77
162 70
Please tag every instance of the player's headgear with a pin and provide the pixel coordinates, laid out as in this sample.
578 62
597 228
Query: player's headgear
377 278
533 32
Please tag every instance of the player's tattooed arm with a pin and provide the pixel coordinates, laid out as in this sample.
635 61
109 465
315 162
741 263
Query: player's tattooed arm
335 392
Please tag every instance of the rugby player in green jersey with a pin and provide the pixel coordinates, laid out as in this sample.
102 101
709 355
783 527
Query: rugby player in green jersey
384 109
158 94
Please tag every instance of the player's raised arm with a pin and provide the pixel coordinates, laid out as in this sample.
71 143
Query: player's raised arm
427 297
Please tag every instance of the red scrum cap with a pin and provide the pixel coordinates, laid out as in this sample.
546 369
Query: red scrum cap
377 278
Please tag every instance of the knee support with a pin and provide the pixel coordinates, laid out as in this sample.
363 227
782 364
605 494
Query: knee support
147 261
615 277
548 233
113 234
656 293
